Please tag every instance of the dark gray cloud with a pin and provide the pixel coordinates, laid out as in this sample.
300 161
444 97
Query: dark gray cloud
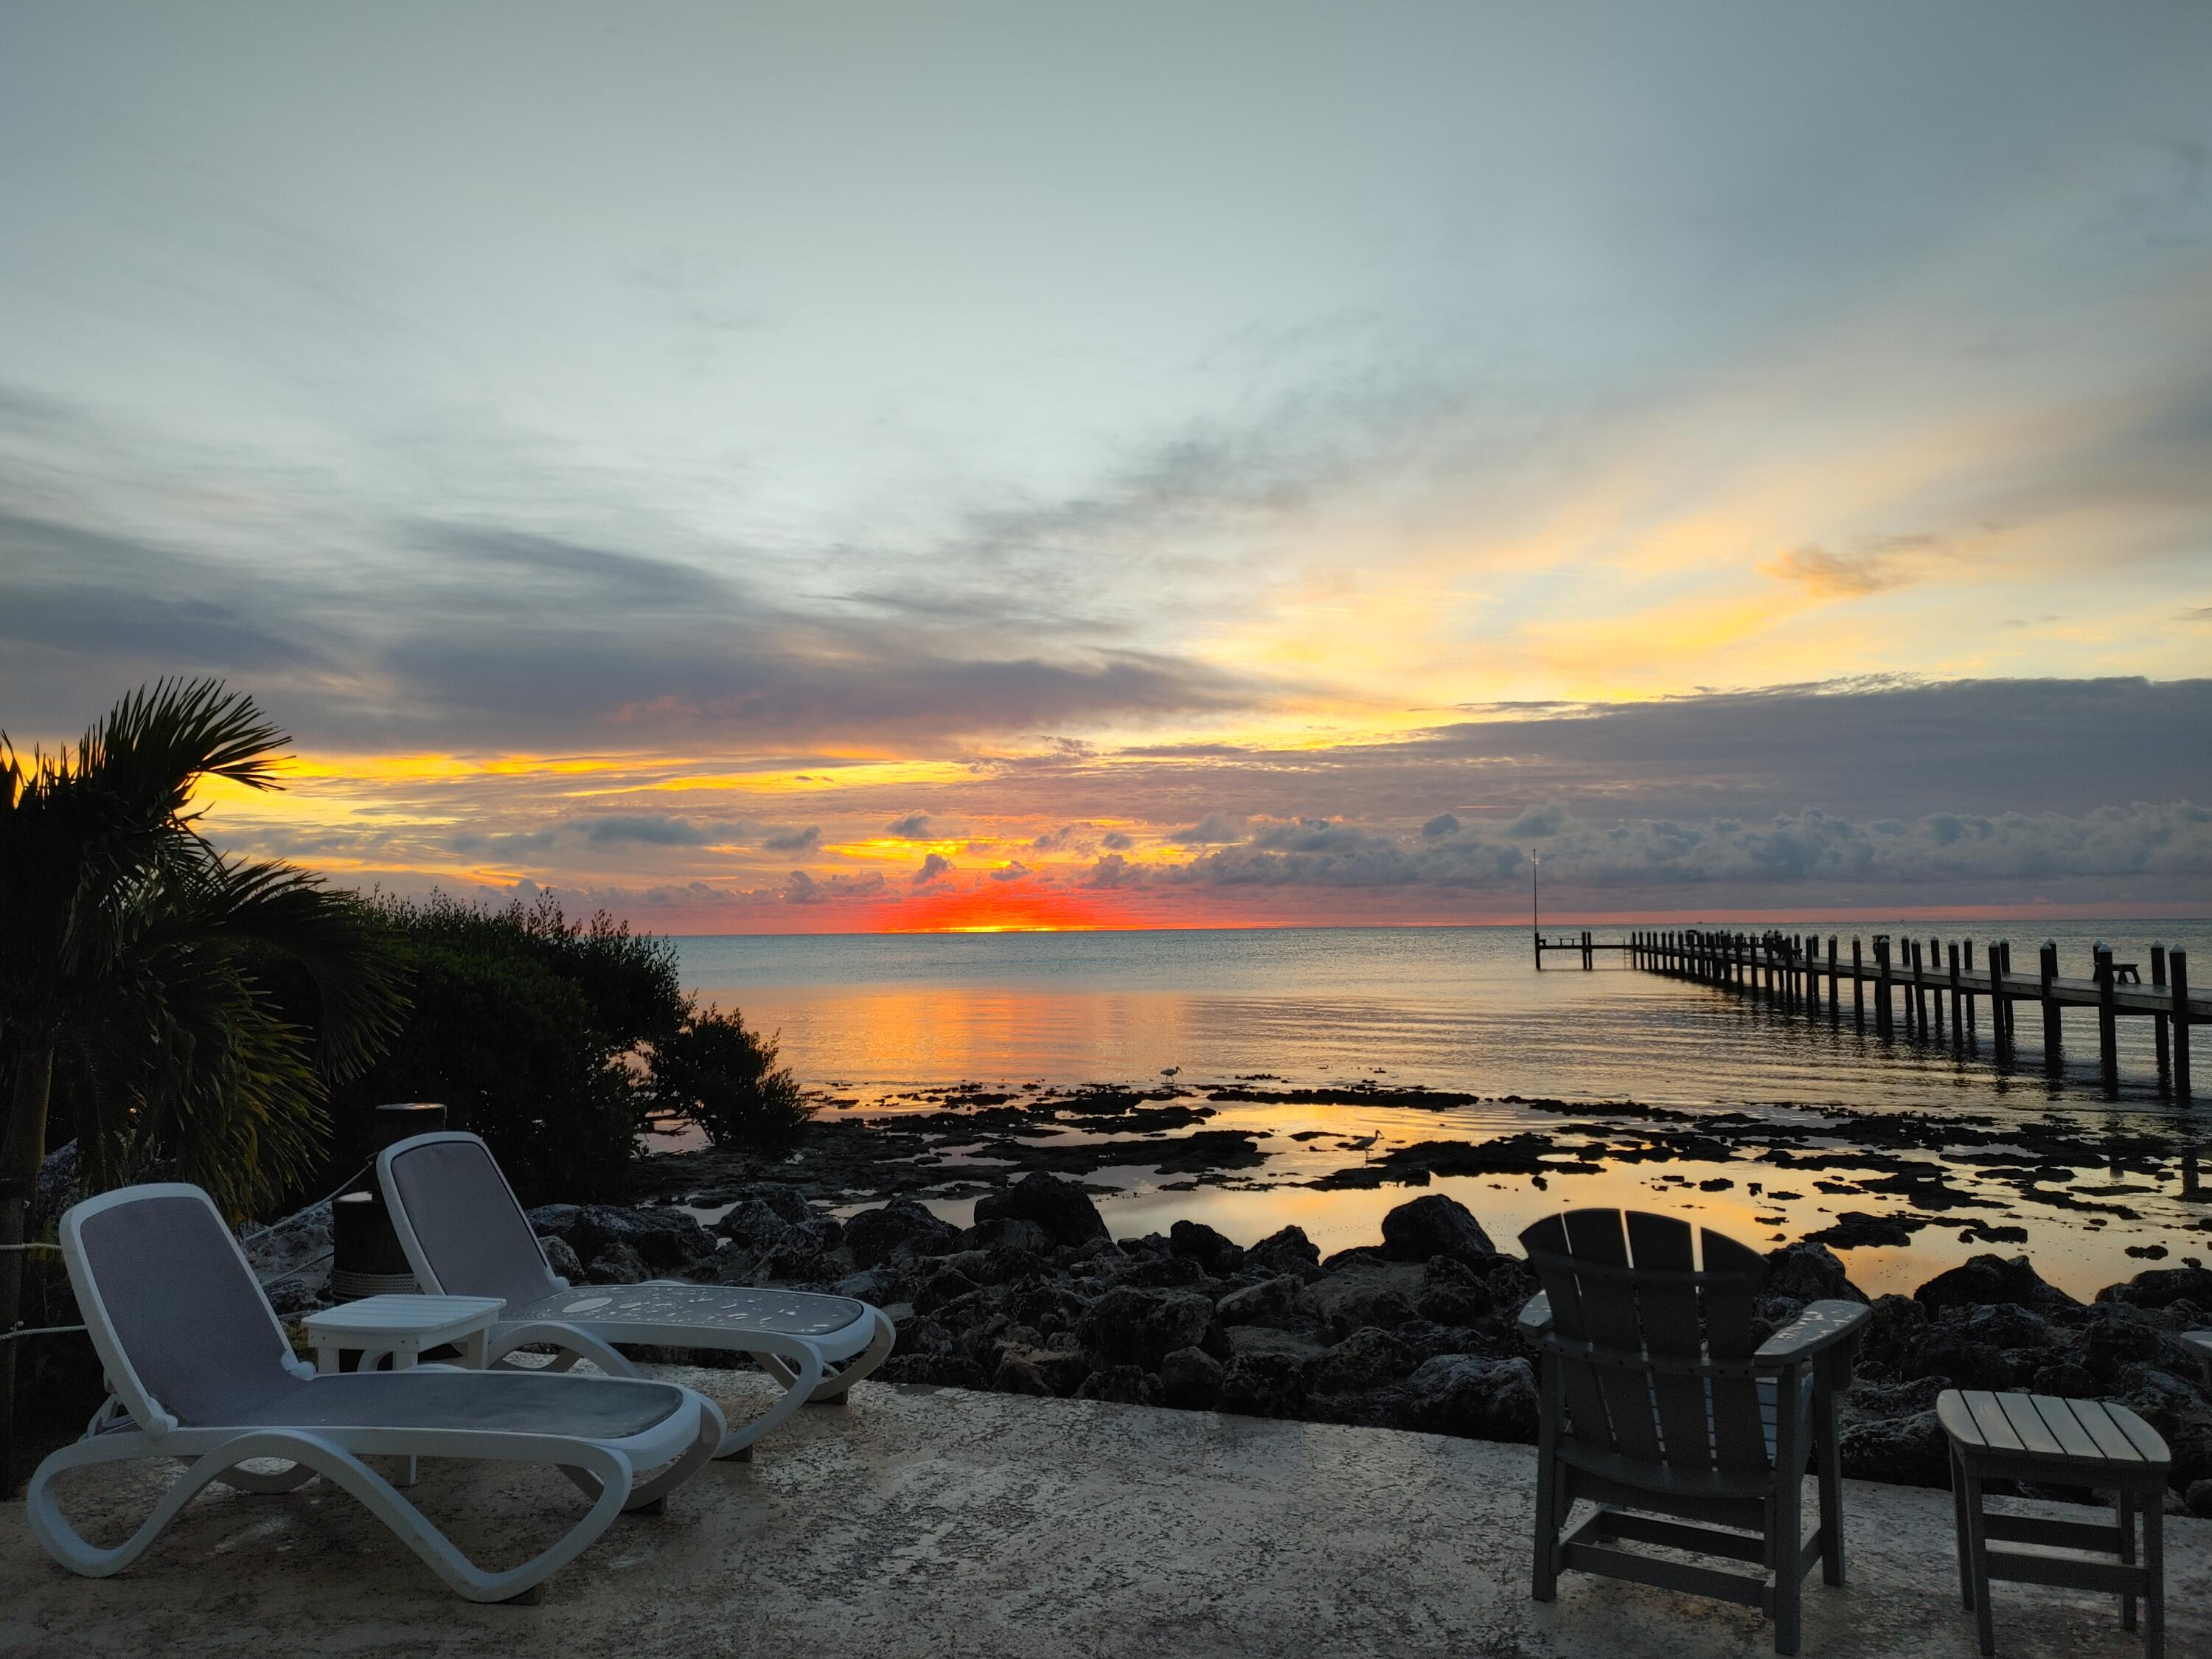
794 840
915 826
935 868
1809 850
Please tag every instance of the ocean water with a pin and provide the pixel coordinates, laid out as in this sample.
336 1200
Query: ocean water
872 1022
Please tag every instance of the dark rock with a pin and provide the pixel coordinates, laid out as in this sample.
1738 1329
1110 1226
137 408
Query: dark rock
291 1297
1266 1340
754 1225
1212 1250
945 1285
2160 1287
900 1231
1891 1338
1366 1294
1061 1207
2067 1381
1911 1450
1286 1251
1451 1294
1434 1225
662 1238
1474 1397
1424 1338
1025 1237
1854 1229
919 1334
1019 1373
1990 1279
1261 1384
1162 1273
2117 1335
876 1285
1271 1302
1191 1378
1367 1359
1895 1399
2199 1498
1129 1385
1359 1256
617 1264
1810 1273
562 1259
1131 1325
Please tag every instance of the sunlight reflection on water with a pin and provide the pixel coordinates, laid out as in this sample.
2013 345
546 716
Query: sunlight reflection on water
868 1020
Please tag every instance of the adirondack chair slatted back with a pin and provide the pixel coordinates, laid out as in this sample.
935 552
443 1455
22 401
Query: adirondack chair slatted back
1636 1318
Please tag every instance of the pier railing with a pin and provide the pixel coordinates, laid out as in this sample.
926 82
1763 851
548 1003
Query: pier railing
1910 987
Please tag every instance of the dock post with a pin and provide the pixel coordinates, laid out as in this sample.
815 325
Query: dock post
1998 1005
1935 972
2004 976
1833 1005
1916 1002
1881 1014
2177 969
1586 950
1811 948
2108 1047
1858 987
1957 1001
2047 971
2158 1021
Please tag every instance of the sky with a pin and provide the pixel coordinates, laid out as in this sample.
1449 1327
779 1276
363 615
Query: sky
847 467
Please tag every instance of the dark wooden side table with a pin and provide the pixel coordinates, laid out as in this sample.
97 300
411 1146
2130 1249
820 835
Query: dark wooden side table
2059 1443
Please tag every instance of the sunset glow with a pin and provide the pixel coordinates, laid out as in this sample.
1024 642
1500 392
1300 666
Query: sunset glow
1309 506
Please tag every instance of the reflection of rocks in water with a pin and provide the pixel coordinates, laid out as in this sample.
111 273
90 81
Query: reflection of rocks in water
1982 1180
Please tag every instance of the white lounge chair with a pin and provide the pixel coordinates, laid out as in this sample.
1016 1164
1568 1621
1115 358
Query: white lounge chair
466 1233
200 1370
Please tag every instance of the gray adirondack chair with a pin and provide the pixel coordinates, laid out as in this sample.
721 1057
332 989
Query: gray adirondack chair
1658 1408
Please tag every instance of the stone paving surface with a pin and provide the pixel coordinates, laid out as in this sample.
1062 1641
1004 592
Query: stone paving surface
920 1521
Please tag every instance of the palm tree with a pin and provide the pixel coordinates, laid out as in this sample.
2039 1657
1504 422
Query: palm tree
129 949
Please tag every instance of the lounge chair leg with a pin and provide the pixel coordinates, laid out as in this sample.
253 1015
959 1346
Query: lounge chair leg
608 1469
1959 1524
831 1390
1544 1578
806 1376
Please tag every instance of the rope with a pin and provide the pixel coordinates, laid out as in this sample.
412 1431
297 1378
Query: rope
19 1333
30 1247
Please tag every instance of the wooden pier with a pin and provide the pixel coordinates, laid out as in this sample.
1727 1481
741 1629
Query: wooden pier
1926 992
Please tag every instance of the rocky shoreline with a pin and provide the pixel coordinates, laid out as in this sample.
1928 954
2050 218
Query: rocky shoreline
1415 1331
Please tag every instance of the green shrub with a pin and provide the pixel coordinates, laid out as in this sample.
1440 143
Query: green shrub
712 1071
554 1040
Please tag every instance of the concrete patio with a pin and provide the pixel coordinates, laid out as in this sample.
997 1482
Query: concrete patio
920 1521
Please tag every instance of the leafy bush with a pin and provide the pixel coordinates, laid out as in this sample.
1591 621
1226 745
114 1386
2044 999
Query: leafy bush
554 1040
715 1072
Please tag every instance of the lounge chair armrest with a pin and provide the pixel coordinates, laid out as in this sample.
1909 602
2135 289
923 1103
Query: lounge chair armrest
1535 1322
1821 1327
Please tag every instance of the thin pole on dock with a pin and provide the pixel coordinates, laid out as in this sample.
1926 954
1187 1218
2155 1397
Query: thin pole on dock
2047 971
1881 968
1957 1001
2000 1005
1858 987
2157 1025
2005 996
2177 968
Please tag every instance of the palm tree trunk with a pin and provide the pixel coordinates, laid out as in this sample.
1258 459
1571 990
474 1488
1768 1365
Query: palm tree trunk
21 1153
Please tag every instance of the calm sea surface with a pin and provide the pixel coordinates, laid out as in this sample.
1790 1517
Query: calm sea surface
874 1019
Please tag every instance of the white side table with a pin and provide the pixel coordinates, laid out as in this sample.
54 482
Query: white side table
402 1326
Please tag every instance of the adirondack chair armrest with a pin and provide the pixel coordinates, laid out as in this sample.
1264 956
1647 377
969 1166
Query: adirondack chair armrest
1820 1329
1534 1323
